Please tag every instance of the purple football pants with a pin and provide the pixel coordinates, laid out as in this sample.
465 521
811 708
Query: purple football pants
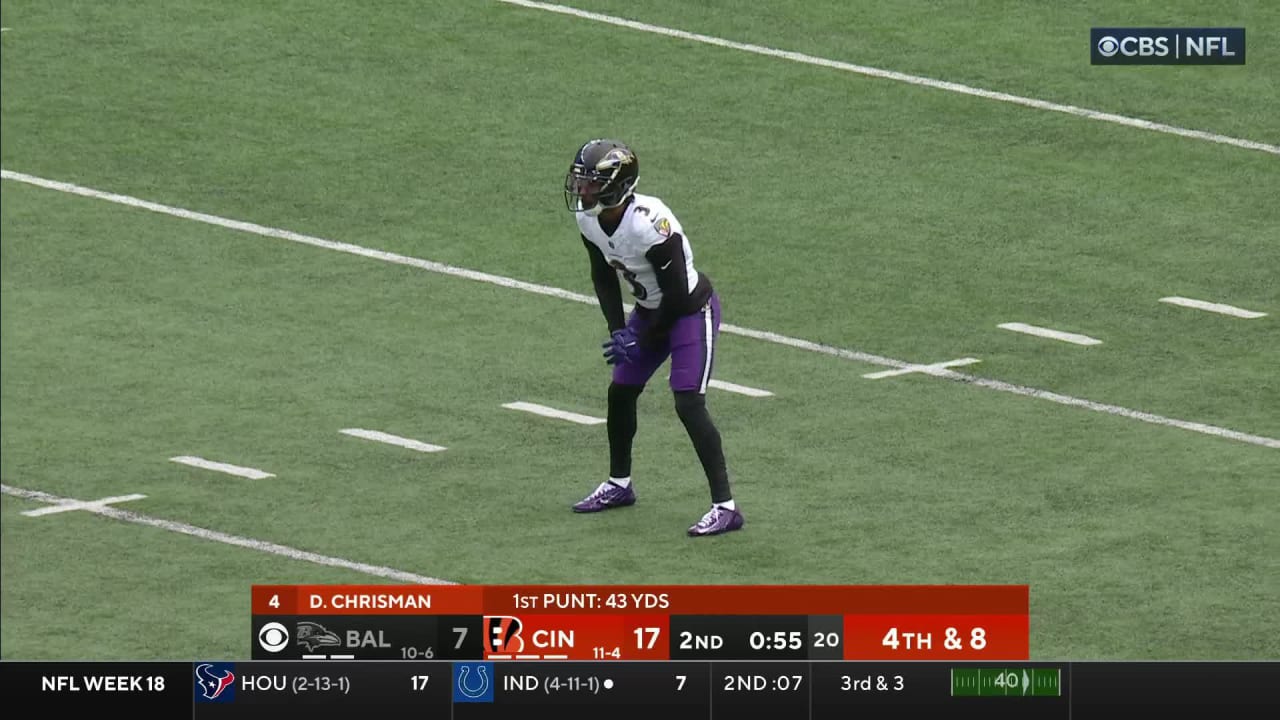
690 344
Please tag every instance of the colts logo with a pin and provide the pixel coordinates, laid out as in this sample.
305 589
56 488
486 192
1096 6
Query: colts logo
502 634
211 683
614 159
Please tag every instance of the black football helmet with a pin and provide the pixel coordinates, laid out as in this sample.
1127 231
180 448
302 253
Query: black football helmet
603 175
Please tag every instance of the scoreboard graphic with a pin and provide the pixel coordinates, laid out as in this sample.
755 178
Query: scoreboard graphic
675 652
380 622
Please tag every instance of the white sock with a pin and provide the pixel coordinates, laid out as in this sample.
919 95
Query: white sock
621 482
727 505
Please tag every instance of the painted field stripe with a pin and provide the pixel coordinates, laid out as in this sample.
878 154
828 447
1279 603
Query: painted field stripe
551 412
898 76
764 335
390 439
264 231
244 472
1116 410
1050 333
248 543
81 505
1213 307
926 369
740 389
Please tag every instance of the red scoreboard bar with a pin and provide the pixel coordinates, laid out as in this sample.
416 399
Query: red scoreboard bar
642 622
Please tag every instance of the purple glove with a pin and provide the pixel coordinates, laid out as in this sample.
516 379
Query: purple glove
621 347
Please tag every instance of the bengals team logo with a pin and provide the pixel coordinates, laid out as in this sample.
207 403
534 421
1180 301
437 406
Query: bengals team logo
502 634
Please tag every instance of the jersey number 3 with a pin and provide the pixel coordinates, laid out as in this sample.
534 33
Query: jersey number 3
636 288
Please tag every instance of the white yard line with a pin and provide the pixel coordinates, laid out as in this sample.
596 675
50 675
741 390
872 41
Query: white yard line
551 412
1116 410
279 234
390 439
244 542
740 389
1219 308
80 505
900 77
926 369
237 470
506 282
1044 332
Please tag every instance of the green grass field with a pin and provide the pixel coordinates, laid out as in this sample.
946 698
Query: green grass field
858 212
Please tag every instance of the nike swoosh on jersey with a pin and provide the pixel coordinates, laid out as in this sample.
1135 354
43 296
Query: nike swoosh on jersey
664 267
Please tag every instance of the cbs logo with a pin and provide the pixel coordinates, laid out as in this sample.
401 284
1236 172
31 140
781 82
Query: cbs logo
1131 46
273 637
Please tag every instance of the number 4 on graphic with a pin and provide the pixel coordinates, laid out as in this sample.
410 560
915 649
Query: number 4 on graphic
891 639
274 601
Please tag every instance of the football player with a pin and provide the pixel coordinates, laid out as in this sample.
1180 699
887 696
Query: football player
677 315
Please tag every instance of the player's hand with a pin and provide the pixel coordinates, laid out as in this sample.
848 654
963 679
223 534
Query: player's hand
621 346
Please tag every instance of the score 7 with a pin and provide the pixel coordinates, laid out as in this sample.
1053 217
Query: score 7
461 632
680 680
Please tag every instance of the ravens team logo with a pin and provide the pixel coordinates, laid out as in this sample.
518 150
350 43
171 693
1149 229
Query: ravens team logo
313 636
615 158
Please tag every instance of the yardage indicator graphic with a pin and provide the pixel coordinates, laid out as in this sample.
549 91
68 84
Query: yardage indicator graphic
638 622
1004 682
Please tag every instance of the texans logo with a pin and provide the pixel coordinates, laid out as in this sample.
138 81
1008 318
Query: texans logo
211 684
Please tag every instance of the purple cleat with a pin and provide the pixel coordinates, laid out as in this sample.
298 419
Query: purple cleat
605 497
717 520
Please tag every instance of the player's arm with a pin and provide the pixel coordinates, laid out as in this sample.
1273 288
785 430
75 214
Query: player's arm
608 289
669 263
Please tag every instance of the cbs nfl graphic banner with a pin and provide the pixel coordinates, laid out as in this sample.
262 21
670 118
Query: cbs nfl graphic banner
1166 46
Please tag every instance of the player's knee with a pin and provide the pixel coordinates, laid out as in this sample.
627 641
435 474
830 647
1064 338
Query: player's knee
690 404
624 393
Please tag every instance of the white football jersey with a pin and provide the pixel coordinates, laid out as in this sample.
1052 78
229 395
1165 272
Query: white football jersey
647 222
